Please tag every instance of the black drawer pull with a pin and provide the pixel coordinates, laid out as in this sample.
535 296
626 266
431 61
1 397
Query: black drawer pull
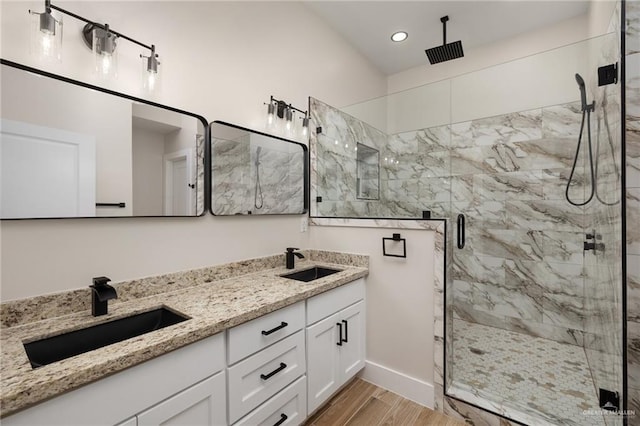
273 330
346 331
274 372
283 418
339 324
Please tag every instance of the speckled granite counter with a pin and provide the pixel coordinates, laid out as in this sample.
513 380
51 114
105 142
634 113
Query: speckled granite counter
240 292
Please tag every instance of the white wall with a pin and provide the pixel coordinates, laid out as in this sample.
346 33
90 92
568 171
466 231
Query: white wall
221 60
399 305
551 37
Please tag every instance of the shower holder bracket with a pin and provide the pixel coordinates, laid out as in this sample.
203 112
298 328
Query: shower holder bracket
608 74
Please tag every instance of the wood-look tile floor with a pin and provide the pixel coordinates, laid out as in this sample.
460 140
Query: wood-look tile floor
361 403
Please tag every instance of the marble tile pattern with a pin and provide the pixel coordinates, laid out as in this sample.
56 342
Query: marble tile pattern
199 174
632 191
235 178
529 379
242 291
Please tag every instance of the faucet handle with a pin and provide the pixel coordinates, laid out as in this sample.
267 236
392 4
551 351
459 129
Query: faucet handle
291 249
100 281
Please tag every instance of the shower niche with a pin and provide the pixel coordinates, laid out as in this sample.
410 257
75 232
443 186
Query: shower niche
253 173
367 173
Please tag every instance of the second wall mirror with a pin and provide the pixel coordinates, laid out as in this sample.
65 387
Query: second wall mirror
254 173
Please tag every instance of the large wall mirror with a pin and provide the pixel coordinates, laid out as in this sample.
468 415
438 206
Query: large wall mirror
73 150
254 173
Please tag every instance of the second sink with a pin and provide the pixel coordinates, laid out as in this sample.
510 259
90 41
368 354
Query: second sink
311 274
56 348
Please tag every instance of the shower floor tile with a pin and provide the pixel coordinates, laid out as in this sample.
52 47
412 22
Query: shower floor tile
530 379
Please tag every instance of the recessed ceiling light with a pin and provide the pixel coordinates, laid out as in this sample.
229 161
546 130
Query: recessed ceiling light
399 36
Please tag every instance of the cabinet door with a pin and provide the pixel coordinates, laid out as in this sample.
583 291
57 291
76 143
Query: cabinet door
352 351
201 404
323 366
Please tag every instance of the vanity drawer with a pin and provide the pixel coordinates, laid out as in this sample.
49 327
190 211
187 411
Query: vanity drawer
259 377
252 336
288 407
330 302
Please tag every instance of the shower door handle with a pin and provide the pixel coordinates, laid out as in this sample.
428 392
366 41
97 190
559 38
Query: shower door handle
461 231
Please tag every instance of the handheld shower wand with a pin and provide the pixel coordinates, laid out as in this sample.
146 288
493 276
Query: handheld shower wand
258 199
586 116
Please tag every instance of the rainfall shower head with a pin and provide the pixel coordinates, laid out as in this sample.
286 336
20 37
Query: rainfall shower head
583 91
447 51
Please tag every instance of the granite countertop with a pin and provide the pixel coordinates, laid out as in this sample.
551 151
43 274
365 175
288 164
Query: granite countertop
212 307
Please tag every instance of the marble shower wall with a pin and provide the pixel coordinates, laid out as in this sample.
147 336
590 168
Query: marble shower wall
632 156
235 179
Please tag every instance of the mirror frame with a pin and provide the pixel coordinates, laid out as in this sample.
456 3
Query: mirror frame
203 121
306 183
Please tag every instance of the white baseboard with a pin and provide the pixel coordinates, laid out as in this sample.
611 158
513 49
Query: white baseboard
408 387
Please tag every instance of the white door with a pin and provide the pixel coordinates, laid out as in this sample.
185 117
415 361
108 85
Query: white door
178 188
323 364
352 351
201 404
46 172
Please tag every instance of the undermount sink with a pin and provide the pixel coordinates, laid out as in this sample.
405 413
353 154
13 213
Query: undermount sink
307 275
56 348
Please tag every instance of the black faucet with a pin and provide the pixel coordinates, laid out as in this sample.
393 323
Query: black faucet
101 292
290 259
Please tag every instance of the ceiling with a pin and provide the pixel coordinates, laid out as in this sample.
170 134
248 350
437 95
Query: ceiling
368 25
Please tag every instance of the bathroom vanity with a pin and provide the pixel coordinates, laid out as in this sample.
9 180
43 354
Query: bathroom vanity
257 348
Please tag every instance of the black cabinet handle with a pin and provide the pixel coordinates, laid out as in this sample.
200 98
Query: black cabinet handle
461 231
273 330
283 418
274 372
346 331
339 324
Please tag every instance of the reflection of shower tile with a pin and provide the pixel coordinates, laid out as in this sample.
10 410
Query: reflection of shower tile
633 288
549 277
515 127
554 183
633 30
633 153
633 86
562 120
504 186
506 243
564 311
507 302
562 247
543 215
633 218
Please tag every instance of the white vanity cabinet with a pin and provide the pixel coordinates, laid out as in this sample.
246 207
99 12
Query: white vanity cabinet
335 340
173 386
266 355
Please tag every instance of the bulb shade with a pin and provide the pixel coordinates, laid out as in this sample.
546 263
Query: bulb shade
151 74
46 36
105 53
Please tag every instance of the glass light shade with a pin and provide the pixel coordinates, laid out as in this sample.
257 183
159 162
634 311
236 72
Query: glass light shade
46 36
305 127
271 116
151 81
288 116
105 53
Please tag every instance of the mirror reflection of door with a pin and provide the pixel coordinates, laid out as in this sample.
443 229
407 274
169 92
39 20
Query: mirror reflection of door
46 171
163 163
178 189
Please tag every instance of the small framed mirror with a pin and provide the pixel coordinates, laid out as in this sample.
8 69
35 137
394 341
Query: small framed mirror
367 173
253 173
69 149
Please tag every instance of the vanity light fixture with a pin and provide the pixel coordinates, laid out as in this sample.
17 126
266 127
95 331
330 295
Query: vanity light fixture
46 34
399 36
100 38
278 109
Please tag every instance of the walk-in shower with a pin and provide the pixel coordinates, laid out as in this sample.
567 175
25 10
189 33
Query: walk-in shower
533 321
